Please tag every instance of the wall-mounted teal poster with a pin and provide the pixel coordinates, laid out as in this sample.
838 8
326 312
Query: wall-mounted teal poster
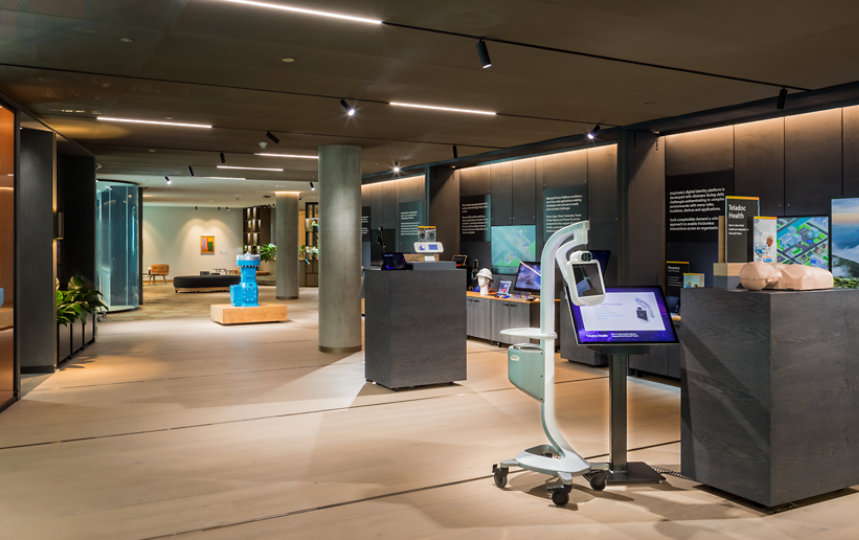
474 218
563 206
411 214
511 245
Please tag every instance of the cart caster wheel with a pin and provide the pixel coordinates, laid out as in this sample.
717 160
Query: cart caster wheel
598 481
560 497
500 476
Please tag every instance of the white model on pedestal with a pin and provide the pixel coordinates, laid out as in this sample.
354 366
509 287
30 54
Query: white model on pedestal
533 370
483 279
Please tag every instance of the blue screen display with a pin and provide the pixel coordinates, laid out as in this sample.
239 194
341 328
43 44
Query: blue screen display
627 315
528 277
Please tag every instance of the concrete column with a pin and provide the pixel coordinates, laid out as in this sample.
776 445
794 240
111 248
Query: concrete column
286 240
339 248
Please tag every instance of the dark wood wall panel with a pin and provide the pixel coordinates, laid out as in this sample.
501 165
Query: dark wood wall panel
851 151
501 190
699 151
524 191
474 181
444 208
569 168
604 204
812 162
759 164
645 221
76 199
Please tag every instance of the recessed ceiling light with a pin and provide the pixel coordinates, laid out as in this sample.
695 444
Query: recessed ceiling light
297 156
153 122
250 168
168 118
152 150
441 108
303 11
225 178
287 59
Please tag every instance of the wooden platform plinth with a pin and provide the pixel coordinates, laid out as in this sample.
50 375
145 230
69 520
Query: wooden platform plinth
227 314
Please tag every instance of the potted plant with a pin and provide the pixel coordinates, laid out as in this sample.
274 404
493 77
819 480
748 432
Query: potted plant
77 308
267 254
91 305
308 252
68 311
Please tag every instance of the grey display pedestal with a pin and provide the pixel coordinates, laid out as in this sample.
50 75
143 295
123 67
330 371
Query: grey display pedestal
622 471
414 328
769 396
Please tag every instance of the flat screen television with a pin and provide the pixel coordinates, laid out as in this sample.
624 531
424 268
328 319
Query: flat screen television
804 240
512 244
627 315
528 277
845 237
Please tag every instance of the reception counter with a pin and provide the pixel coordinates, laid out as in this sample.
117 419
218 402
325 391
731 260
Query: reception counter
414 328
770 392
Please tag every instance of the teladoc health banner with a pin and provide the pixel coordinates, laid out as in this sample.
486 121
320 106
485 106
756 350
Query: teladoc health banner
739 222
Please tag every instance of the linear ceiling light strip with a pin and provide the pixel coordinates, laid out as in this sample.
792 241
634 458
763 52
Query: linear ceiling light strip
305 11
152 122
441 108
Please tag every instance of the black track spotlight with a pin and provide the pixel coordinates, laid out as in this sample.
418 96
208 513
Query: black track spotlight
782 98
396 167
167 178
455 152
350 109
223 158
483 53
312 187
191 170
593 132
195 207
271 137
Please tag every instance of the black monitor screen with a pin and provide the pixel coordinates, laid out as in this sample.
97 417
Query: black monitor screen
627 315
393 261
587 279
528 277
601 255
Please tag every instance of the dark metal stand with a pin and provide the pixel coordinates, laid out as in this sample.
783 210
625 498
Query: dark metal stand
622 471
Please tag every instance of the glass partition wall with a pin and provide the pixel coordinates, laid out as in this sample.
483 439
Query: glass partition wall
117 247
8 367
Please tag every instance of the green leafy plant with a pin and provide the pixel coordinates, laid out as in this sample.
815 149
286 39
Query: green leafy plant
267 252
77 300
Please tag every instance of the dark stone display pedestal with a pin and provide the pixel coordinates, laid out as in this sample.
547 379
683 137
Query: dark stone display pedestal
414 330
770 392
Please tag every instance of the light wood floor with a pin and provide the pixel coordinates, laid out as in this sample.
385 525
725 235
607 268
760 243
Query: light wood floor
171 425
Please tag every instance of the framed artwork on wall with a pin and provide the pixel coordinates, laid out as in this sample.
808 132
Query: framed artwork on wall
207 245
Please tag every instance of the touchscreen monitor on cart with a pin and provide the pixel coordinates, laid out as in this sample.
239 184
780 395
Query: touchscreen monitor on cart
627 315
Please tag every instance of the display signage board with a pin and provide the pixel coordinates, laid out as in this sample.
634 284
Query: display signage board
804 240
366 212
674 271
845 238
765 239
694 203
739 222
410 220
563 206
474 218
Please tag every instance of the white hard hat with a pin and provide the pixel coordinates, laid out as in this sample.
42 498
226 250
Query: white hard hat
485 272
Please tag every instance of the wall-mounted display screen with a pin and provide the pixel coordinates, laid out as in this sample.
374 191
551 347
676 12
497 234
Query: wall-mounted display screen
845 237
627 315
528 277
804 240
511 245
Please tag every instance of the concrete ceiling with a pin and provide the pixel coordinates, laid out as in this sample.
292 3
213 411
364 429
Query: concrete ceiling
216 62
